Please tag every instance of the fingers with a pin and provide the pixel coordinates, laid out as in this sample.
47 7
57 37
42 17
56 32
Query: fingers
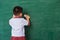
27 16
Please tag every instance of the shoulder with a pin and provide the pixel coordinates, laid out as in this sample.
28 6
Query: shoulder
10 19
23 19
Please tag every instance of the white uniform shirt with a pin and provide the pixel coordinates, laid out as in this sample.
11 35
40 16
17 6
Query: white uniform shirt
17 25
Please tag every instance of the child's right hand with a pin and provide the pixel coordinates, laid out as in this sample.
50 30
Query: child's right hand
27 16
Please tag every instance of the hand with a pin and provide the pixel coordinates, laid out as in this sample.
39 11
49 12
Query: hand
27 16
13 16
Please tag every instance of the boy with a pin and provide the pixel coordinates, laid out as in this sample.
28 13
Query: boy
17 23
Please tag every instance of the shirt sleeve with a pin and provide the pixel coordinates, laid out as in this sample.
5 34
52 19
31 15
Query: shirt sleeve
25 22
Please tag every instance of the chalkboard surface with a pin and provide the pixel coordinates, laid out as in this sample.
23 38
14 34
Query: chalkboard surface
45 18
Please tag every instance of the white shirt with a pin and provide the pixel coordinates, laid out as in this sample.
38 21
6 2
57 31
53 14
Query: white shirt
17 25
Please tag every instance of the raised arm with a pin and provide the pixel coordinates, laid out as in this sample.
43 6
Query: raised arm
27 18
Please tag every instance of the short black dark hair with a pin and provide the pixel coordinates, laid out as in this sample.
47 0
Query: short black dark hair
17 10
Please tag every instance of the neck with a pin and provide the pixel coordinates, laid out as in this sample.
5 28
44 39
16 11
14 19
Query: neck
17 17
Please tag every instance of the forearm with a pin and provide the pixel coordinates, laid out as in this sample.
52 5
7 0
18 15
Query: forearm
27 18
28 22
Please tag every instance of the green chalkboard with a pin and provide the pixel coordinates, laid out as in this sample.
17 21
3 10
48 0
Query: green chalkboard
45 18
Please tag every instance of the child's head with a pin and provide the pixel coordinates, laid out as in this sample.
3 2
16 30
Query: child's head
17 11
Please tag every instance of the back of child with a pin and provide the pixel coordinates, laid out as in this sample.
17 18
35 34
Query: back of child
17 24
